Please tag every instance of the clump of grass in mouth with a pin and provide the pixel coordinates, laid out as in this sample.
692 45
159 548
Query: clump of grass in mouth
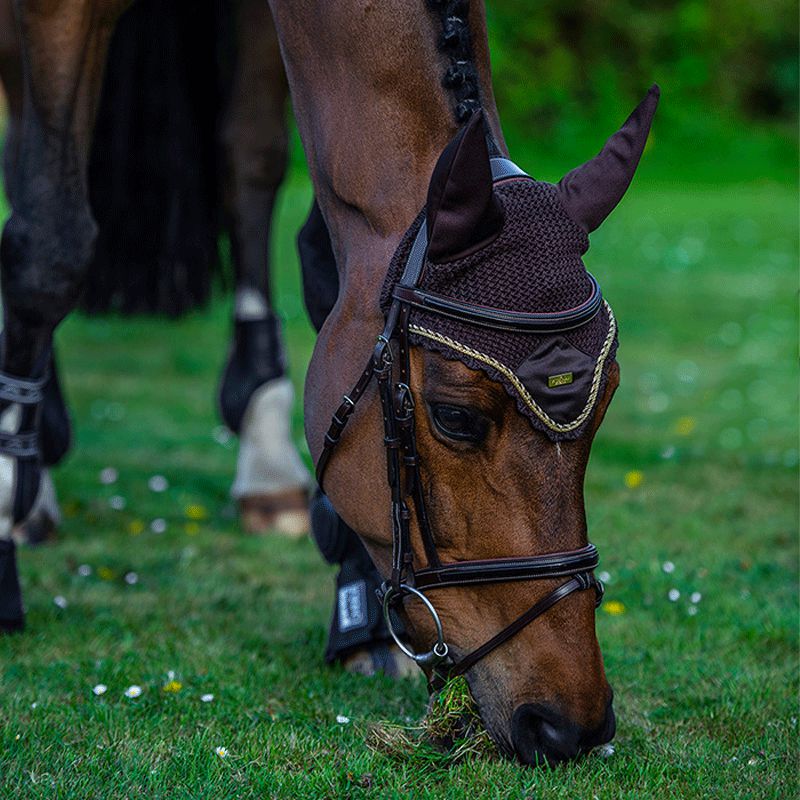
450 731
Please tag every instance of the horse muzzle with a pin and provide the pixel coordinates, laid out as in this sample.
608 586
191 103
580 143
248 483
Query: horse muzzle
542 736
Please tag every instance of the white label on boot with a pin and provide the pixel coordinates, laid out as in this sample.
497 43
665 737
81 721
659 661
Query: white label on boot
352 606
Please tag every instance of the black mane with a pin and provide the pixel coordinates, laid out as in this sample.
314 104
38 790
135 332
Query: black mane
455 41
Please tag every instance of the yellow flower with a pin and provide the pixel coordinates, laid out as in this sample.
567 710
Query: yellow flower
135 527
634 478
614 607
196 512
106 574
685 426
192 528
172 686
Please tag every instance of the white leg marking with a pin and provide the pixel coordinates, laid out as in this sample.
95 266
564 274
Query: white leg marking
250 305
268 460
9 423
45 516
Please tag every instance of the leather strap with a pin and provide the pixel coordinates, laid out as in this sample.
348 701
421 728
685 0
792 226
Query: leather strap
19 445
580 582
340 419
498 570
503 168
26 391
500 319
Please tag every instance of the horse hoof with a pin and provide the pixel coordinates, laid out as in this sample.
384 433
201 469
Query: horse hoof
284 513
381 658
35 530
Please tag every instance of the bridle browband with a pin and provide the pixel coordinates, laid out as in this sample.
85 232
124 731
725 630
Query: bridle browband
403 464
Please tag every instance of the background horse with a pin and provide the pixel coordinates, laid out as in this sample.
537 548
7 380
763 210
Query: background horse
194 128
373 136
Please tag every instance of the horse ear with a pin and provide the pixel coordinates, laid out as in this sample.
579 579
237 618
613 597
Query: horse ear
590 192
463 213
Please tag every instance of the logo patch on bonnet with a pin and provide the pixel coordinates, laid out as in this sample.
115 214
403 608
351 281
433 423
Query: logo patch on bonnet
559 378
564 379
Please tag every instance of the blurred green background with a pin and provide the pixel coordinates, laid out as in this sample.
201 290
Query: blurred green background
728 71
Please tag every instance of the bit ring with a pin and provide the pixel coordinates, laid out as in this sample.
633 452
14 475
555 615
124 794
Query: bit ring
439 651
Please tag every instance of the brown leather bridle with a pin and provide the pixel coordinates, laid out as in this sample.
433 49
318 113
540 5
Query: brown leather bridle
403 465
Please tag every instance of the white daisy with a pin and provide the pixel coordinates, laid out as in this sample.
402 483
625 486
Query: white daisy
158 483
108 476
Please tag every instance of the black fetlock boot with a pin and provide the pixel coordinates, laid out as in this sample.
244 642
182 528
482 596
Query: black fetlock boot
12 615
358 637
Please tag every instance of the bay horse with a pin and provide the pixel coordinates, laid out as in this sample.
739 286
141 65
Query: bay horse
468 433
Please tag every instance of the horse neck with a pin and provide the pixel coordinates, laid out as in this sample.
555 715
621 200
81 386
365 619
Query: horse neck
366 84
366 81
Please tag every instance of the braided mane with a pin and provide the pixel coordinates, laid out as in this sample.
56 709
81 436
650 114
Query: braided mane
455 41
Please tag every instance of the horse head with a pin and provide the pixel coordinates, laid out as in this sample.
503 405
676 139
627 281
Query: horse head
510 366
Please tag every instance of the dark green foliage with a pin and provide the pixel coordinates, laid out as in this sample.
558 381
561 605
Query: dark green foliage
561 61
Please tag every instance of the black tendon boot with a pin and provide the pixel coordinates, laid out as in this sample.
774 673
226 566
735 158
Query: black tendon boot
255 358
358 635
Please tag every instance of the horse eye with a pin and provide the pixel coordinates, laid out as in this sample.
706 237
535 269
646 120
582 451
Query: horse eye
457 422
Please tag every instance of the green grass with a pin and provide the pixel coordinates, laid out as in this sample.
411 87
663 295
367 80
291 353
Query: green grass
702 277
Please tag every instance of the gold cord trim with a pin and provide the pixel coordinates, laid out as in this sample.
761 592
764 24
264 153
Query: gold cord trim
517 384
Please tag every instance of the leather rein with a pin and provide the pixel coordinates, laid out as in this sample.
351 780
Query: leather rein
403 466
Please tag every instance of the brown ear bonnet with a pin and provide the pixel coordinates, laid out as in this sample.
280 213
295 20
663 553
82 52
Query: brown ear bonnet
494 239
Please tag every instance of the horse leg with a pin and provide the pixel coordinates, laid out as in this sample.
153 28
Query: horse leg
54 433
11 75
47 243
256 397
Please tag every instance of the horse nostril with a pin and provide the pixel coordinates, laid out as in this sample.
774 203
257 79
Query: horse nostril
541 737
560 742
